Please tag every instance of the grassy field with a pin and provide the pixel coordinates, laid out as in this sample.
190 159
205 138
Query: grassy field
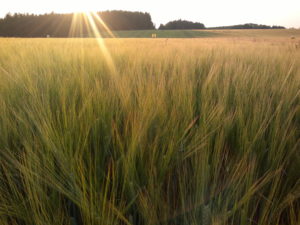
162 34
204 33
150 132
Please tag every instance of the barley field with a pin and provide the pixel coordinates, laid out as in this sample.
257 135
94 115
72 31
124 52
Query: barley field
150 131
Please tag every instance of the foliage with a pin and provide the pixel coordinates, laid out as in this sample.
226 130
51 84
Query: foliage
181 24
59 25
250 26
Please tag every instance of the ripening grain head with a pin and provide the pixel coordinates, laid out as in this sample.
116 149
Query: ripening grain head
192 130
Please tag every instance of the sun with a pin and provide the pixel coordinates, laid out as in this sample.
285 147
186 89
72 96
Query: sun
92 21
85 16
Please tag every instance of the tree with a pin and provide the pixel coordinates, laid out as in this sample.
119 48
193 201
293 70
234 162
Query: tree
181 24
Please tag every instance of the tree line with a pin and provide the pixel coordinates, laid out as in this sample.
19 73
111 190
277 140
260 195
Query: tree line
181 24
81 25
249 26
72 25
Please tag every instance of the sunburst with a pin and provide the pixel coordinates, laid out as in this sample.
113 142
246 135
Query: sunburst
91 22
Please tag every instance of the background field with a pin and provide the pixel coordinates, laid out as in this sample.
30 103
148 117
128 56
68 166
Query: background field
205 33
162 34
150 132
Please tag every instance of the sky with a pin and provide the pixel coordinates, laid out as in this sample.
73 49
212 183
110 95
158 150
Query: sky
211 12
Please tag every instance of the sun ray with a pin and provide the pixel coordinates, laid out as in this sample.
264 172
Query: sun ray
87 25
98 19
80 26
74 25
100 42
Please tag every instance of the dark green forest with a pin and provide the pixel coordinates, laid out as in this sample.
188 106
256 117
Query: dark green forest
71 25
249 26
181 25
80 25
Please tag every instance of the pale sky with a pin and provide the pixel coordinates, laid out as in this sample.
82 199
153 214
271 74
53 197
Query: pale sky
210 12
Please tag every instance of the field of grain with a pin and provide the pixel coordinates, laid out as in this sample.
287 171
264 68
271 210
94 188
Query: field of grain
150 132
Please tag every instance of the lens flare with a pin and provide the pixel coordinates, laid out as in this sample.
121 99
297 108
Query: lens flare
100 42
98 19
88 24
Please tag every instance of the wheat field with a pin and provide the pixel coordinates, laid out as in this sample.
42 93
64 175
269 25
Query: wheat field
150 132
